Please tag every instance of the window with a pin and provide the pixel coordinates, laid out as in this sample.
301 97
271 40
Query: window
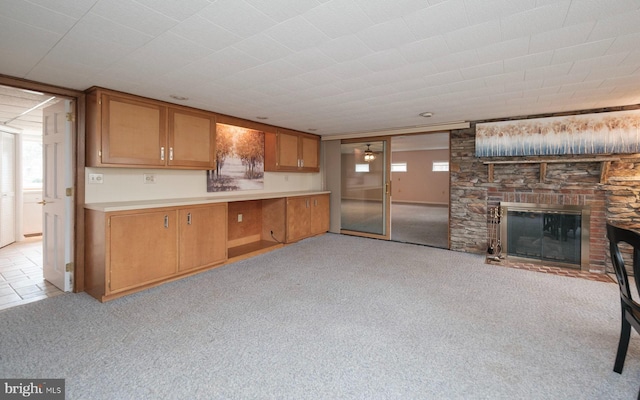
440 166
399 167
362 167
32 162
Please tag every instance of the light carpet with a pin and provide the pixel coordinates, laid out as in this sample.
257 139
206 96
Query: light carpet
333 317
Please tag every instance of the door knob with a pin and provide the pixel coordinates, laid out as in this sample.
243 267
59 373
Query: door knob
43 202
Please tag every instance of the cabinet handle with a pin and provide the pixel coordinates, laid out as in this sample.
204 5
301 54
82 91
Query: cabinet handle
302 163
162 153
188 218
307 203
315 202
166 221
170 153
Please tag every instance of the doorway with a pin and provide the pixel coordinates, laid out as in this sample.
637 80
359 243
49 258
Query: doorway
23 112
420 189
365 193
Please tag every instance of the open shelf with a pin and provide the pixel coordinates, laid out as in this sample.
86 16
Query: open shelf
251 249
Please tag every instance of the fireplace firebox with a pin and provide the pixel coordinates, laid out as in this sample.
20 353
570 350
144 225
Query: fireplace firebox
548 233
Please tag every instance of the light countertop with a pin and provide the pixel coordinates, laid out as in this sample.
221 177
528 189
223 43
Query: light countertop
143 204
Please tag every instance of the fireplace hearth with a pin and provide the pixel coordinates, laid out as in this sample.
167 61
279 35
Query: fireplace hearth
546 233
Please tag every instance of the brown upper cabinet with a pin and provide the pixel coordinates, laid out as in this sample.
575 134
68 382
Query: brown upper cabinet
290 151
130 131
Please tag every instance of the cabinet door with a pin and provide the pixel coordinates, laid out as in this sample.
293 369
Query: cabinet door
192 139
319 214
142 248
298 218
287 151
133 131
203 236
310 147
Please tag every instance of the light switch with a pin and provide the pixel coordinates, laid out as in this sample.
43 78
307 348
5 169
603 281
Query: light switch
239 217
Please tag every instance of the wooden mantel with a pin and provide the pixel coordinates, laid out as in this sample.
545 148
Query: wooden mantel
605 163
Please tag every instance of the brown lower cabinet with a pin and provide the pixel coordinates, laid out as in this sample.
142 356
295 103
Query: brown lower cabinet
127 251
307 216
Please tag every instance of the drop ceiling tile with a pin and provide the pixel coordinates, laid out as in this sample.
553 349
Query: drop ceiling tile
178 10
93 26
535 21
456 60
563 37
624 24
506 78
503 50
588 84
528 62
72 8
384 10
282 10
96 53
238 17
487 10
320 77
425 50
624 43
225 62
384 60
597 63
134 15
297 34
633 58
205 33
628 71
310 59
386 35
548 71
590 10
15 35
581 52
559 80
349 69
338 18
482 71
34 15
263 48
439 19
443 78
474 36
345 48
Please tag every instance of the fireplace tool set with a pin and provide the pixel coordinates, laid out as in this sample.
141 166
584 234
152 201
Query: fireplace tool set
494 249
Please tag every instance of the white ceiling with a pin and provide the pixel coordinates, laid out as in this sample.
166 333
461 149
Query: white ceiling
336 66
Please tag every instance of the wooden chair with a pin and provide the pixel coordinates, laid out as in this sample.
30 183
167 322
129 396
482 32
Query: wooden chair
630 307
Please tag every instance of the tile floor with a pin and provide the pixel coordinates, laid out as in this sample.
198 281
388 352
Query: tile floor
21 279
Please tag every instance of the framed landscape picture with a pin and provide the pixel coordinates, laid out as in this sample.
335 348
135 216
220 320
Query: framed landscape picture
239 160
616 132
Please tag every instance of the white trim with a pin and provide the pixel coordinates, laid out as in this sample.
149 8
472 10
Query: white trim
399 131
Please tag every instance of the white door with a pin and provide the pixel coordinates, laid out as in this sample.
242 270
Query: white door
57 196
7 188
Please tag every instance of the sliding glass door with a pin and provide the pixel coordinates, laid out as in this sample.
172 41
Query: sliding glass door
365 200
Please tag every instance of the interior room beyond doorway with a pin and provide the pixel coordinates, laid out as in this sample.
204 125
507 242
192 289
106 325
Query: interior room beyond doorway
420 189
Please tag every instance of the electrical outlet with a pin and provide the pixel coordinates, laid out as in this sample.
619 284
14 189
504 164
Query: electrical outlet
149 178
96 178
239 217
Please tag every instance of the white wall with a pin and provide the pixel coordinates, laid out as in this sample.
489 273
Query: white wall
126 184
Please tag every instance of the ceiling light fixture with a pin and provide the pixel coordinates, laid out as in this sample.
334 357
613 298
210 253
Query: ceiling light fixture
426 114
312 129
368 154
179 98
262 117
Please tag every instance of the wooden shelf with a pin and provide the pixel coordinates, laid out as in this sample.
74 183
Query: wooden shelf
605 163
251 249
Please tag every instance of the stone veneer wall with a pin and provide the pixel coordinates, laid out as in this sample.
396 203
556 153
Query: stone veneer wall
617 199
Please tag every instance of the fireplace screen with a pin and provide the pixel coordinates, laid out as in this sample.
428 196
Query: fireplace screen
544 234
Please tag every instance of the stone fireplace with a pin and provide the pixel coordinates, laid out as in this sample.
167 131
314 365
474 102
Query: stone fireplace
546 233
609 187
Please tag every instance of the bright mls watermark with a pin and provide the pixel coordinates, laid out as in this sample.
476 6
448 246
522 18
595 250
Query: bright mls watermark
49 389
